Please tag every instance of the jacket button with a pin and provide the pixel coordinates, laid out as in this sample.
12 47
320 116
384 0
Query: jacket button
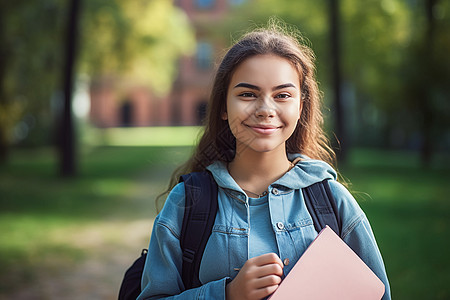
286 261
280 225
275 191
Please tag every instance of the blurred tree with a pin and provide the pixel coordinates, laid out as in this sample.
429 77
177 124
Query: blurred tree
310 17
395 64
66 137
376 37
335 54
30 35
141 39
427 89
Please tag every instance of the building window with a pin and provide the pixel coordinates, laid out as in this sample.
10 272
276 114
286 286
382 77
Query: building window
205 4
204 55
126 114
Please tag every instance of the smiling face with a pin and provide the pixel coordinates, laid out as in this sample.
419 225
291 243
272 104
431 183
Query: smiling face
263 103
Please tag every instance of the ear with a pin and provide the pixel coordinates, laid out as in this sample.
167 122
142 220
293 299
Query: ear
224 116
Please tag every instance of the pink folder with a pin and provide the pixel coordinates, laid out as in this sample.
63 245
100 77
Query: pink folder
329 269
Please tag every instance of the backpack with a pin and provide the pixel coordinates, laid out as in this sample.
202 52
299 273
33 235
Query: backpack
198 220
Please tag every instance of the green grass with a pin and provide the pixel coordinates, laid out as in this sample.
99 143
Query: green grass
407 206
145 136
40 212
409 210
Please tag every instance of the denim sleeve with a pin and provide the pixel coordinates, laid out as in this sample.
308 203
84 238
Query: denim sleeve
358 235
161 278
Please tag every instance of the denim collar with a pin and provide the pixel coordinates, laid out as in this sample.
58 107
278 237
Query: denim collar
305 172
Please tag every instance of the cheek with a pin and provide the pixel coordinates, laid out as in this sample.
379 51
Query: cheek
238 111
291 114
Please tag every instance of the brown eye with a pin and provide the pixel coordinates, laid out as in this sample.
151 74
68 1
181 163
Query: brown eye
247 95
282 96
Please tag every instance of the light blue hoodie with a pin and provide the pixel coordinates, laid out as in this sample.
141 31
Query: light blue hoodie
228 247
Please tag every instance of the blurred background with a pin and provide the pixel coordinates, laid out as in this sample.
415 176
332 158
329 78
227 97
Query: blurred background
100 100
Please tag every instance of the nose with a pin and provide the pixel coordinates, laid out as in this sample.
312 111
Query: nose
265 108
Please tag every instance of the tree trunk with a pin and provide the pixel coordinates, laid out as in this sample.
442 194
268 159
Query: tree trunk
341 147
4 143
67 138
426 103
4 146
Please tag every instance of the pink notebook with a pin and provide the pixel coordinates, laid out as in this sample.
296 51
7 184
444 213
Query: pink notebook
329 269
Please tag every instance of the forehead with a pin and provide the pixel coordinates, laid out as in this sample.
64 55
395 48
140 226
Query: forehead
266 71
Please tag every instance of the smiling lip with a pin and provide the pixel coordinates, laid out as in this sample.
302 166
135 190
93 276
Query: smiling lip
264 129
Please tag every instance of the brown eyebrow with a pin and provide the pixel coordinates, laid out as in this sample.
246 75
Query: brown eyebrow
257 88
283 86
247 85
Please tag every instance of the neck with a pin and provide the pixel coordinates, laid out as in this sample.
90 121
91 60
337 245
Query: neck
255 171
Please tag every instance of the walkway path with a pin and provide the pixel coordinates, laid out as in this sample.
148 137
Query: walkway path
107 247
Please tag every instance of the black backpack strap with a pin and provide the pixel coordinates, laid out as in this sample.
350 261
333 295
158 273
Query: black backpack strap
199 216
322 206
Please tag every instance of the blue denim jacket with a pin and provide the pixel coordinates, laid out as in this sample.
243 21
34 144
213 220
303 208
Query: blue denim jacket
227 247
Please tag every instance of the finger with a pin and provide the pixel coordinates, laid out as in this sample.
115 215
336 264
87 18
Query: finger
266 270
268 258
267 281
263 292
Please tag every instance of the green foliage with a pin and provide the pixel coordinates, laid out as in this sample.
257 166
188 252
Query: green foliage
309 17
375 35
140 40
30 36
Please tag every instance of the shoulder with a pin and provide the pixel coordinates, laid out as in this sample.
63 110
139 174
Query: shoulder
171 216
339 190
349 210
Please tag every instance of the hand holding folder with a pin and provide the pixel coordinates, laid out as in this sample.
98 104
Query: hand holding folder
330 270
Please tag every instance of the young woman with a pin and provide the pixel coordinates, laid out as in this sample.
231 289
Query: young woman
263 142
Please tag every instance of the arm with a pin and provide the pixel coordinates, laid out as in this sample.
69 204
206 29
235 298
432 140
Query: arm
161 278
357 233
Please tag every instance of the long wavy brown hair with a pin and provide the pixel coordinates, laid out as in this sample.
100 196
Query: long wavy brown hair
218 143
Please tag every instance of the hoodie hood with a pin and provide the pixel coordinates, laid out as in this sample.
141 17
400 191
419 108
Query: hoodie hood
305 173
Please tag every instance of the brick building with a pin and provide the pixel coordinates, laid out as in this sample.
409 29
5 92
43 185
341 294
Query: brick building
186 104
